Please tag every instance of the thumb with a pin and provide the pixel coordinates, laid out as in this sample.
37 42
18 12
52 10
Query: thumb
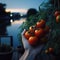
23 32
25 41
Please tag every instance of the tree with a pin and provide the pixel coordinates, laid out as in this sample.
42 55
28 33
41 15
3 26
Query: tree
2 9
31 11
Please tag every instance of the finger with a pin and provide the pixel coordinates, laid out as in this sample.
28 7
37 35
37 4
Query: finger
25 41
23 32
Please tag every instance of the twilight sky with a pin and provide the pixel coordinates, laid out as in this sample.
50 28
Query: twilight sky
23 5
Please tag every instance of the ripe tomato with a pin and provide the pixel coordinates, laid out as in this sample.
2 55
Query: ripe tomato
51 49
58 19
40 24
33 40
39 32
27 34
46 51
57 13
32 29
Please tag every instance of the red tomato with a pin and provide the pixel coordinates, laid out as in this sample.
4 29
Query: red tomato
51 49
33 40
58 19
39 32
46 51
41 24
57 13
27 34
32 29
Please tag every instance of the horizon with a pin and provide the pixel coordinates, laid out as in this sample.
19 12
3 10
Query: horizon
21 5
24 11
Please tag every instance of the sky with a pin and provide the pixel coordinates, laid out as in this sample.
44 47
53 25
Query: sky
21 5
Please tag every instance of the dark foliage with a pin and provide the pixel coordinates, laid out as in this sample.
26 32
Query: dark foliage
31 11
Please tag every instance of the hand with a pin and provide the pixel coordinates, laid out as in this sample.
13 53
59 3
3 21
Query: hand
25 41
29 50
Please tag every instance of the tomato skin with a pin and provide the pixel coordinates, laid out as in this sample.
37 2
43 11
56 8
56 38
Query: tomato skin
32 29
58 19
39 33
51 49
46 51
27 34
33 40
40 24
57 13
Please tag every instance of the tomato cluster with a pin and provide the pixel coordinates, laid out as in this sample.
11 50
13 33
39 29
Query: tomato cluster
57 15
49 50
37 34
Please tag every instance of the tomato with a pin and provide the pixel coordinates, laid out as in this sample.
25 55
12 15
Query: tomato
39 32
57 13
27 34
46 51
58 19
33 40
41 24
47 28
51 49
32 29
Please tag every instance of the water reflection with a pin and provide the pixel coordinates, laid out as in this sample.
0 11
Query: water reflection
11 29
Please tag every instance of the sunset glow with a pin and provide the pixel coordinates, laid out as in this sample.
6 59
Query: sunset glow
17 10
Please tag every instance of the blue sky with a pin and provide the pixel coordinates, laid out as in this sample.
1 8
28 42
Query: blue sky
22 3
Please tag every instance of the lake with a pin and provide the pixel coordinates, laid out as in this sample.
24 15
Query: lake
13 30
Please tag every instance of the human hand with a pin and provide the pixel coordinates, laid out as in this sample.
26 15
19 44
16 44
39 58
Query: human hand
29 50
25 41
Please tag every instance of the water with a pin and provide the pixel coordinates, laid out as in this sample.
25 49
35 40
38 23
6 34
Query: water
13 30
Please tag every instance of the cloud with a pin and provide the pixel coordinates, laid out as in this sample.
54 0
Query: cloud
17 10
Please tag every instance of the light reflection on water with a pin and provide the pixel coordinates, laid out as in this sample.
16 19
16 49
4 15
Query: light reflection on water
13 30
